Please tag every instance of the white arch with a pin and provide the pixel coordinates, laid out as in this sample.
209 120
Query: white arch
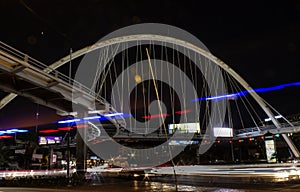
182 43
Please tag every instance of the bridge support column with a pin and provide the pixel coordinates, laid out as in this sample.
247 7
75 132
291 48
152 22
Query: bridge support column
81 150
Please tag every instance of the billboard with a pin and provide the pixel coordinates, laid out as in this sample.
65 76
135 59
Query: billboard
223 132
270 151
44 140
185 128
182 142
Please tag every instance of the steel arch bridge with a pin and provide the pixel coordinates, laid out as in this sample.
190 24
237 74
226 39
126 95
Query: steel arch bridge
178 42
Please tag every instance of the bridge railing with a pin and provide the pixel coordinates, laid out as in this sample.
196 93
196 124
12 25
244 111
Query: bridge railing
247 130
265 128
22 58
41 66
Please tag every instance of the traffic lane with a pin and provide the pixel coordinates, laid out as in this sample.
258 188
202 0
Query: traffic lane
165 188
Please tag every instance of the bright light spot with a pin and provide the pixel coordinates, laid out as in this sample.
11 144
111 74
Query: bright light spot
22 131
13 130
183 112
282 174
49 131
155 116
267 119
81 126
65 128
5 137
93 117
96 111
138 78
132 155
220 97
293 172
276 117
113 114
69 121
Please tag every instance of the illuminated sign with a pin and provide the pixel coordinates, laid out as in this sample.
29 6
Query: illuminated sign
182 142
223 132
270 151
44 140
94 157
185 128
54 158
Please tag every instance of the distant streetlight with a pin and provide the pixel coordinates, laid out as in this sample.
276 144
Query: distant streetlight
276 117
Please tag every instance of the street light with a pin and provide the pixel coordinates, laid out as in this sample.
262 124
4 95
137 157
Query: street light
276 117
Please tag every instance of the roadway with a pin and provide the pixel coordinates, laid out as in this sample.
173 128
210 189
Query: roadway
141 186
246 174
190 178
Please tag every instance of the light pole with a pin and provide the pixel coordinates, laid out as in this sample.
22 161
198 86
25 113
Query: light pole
68 156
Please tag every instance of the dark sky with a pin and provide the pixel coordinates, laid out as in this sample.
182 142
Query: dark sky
258 39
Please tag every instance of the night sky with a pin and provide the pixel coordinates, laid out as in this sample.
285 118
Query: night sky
259 39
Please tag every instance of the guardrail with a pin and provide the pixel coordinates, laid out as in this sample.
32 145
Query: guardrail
41 66
265 128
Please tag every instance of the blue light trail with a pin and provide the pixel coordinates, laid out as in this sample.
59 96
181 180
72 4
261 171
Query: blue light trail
210 98
12 131
68 121
96 117
245 92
